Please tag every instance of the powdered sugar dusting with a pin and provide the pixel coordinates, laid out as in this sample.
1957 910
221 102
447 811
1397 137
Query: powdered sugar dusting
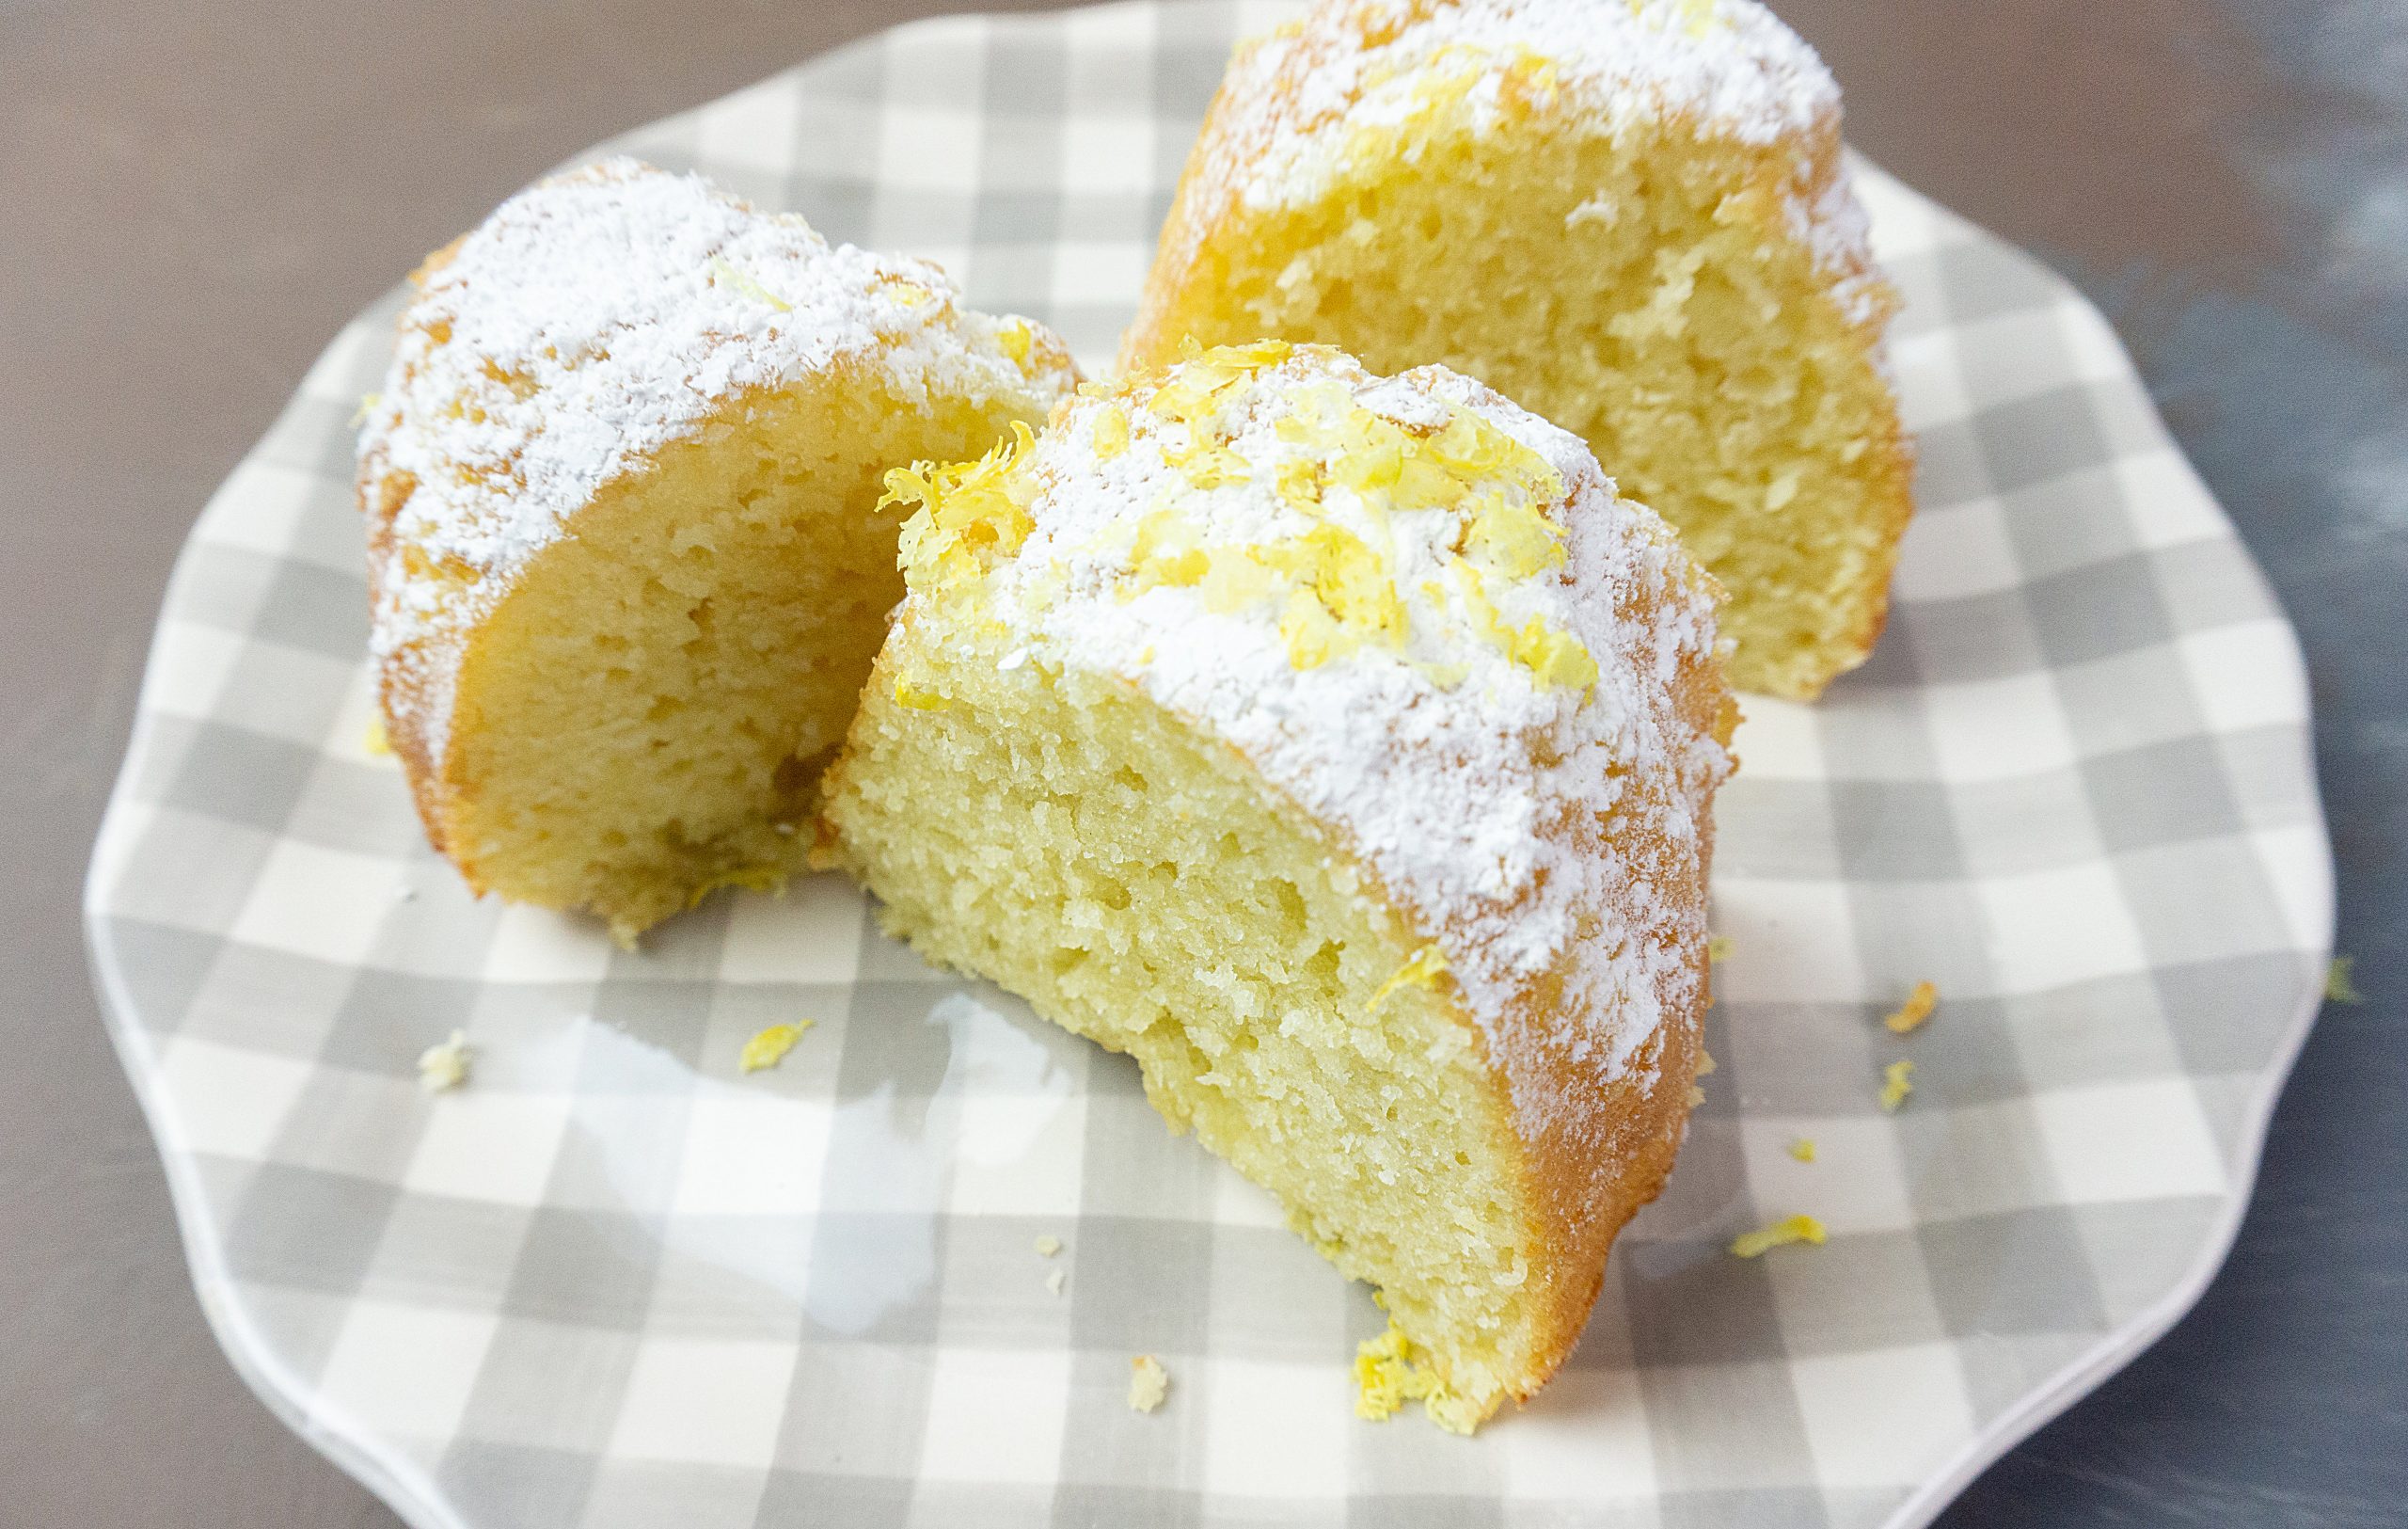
1478 793
591 321
1294 103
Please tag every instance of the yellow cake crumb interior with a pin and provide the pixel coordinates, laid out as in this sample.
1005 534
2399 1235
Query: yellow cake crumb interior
645 715
1622 289
1070 840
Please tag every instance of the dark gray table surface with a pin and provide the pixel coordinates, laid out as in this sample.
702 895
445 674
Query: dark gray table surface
192 202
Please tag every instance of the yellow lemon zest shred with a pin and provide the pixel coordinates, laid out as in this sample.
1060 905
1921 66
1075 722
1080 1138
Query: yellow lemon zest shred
1370 453
747 878
1780 1233
1253 355
1421 969
1898 1081
1310 637
1514 539
769 1044
1530 81
1423 483
1213 467
1350 579
909 694
1203 374
1299 484
722 271
1340 594
1165 553
1553 656
914 485
969 513
2340 985
1918 1008
1014 337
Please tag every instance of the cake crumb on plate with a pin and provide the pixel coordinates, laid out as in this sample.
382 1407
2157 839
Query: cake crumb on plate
1898 1081
1148 1383
1391 1370
445 1064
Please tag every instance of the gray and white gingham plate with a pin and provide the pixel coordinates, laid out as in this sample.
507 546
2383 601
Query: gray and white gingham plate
615 1282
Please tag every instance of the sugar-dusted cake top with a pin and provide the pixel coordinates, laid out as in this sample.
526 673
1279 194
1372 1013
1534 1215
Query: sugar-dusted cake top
1421 611
598 317
1730 65
1303 105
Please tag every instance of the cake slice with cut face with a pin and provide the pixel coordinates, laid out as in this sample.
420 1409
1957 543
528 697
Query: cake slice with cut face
626 568
1341 748
1629 215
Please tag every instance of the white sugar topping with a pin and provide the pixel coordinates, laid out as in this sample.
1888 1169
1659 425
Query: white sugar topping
1471 787
1294 106
596 318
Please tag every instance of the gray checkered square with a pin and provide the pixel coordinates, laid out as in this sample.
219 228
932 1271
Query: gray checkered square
1988 636
2024 823
533 1484
441 1248
616 1281
2033 1274
300 1227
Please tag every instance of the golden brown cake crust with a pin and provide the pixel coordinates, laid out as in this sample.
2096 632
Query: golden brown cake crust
1585 1185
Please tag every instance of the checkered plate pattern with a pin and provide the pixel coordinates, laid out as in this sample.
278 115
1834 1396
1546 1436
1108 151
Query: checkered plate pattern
616 1282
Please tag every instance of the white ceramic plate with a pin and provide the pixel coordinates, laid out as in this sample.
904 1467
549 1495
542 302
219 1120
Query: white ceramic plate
615 1282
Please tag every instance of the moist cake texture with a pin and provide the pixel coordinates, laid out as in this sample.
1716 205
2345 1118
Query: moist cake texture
1632 218
626 570
1341 748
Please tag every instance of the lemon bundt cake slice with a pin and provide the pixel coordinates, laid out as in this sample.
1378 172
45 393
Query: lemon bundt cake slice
626 573
1630 215
1341 748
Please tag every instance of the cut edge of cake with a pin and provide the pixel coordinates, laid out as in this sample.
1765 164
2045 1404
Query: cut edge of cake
1059 704
620 413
